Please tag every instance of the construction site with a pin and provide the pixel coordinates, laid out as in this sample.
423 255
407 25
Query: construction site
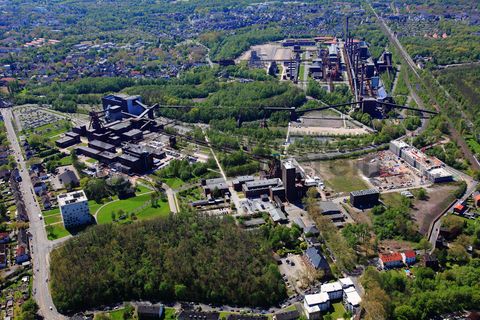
403 166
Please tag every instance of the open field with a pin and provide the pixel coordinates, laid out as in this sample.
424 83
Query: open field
53 219
138 204
340 175
174 183
439 197
56 231
268 51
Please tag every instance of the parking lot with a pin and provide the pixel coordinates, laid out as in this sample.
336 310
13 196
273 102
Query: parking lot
293 270
30 118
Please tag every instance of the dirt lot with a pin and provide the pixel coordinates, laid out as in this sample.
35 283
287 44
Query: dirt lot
268 51
439 197
293 274
340 175
386 246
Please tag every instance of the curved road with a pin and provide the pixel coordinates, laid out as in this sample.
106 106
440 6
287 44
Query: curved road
40 245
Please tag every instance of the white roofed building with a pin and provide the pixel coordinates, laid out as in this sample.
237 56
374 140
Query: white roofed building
351 300
314 304
333 289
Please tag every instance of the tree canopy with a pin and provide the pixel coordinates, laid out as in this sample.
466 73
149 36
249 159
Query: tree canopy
186 256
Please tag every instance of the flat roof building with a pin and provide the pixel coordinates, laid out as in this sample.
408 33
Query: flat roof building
74 209
364 198
258 187
102 146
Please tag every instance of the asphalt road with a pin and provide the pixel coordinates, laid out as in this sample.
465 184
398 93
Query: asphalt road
39 243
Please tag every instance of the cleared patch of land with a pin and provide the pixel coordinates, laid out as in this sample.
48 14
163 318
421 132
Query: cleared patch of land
340 175
439 197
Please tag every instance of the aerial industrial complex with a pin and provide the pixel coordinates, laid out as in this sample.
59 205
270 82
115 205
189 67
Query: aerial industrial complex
286 155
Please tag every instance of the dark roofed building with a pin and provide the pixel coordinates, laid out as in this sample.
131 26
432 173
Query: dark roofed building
364 198
102 146
238 316
120 127
256 188
88 152
238 182
132 135
147 312
316 259
287 315
329 207
67 141
198 315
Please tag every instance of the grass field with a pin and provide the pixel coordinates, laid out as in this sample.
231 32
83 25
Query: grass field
133 204
51 212
56 231
117 314
52 129
340 175
66 161
474 145
53 219
338 311
393 199
174 183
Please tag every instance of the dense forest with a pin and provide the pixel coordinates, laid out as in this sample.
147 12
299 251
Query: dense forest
393 295
186 257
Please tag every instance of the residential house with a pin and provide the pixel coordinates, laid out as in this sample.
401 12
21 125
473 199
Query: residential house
430 261
311 230
21 254
476 200
391 260
409 257
4 237
459 208
3 256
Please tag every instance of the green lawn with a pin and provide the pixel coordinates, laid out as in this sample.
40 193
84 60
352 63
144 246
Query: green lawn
51 212
162 211
393 199
174 183
65 161
169 314
117 314
53 218
51 130
338 310
474 145
94 206
56 231
131 204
